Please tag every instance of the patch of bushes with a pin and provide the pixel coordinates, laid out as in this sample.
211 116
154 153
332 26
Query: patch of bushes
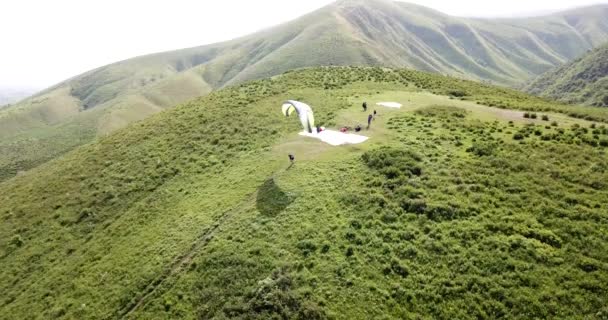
393 163
443 112
482 149
274 297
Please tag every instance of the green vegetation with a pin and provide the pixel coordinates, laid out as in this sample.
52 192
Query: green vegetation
349 32
595 137
197 213
584 80
25 151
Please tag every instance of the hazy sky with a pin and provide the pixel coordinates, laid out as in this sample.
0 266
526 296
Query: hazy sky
44 42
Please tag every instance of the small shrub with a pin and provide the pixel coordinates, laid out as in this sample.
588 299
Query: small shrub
398 269
482 149
325 248
307 247
518 136
417 206
442 112
526 115
16 241
545 117
457 93
533 116
554 123
349 251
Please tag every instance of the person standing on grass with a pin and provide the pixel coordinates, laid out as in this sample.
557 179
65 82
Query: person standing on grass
369 120
292 158
364 106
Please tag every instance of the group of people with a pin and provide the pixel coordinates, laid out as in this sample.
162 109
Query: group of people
357 128
371 116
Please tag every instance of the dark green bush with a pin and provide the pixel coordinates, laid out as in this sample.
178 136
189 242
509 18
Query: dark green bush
482 149
393 163
307 247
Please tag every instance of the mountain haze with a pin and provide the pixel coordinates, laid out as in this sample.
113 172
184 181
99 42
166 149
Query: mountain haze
347 32
13 94
584 80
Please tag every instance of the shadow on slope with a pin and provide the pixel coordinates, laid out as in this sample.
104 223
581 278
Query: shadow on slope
272 200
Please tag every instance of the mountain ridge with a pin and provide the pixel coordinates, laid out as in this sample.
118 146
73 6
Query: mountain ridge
378 33
584 80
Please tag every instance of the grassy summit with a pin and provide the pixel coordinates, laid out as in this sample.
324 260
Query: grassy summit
351 32
452 209
28 150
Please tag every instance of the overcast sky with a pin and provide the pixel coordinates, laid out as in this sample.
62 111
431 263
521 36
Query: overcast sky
44 41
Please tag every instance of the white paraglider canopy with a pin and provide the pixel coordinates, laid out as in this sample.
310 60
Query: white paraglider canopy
307 119
304 112
336 138
396 105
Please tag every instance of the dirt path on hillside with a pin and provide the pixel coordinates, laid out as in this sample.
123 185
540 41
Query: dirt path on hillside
183 261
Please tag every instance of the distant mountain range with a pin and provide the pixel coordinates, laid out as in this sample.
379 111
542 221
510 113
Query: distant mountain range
13 94
584 80
347 32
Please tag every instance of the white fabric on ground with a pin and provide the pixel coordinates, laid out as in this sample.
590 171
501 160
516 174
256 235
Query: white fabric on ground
389 104
336 138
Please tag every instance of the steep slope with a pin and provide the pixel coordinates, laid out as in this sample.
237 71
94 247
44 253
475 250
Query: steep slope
348 32
452 209
584 80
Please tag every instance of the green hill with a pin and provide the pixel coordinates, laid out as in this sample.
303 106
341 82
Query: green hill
452 209
584 80
352 32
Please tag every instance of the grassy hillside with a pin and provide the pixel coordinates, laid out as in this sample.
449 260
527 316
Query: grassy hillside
28 150
584 80
452 209
351 32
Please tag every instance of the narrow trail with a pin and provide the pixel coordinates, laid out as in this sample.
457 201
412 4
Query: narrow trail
183 261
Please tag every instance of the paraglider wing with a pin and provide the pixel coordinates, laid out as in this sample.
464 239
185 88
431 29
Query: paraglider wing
304 112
